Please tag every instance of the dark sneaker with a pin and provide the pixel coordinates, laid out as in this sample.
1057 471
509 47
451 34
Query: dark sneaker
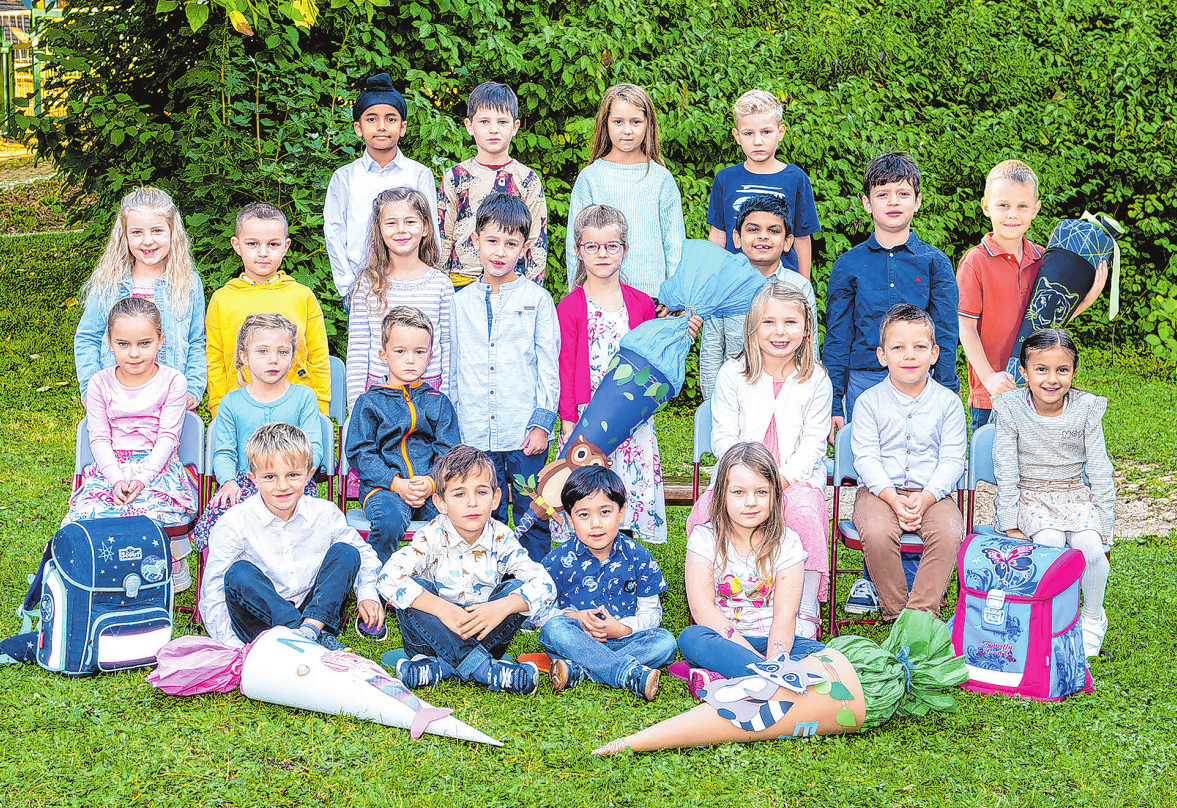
863 598
365 632
566 675
420 671
644 682
506 677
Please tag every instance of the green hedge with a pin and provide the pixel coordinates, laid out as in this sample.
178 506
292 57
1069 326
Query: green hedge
1082 91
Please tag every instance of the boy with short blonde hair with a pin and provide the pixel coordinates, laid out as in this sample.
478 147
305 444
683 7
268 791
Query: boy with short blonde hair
492 119
281 559
261 240
464 586
996 279
758 131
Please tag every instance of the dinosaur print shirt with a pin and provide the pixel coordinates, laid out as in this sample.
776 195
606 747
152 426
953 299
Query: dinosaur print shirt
619 583
464 573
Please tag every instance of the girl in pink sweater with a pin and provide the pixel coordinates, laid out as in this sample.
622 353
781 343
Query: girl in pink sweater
593 317
134 413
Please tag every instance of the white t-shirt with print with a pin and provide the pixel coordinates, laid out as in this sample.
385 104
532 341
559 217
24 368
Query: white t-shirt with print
740 593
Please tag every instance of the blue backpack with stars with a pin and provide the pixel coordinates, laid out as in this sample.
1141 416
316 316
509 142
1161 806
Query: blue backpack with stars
103 594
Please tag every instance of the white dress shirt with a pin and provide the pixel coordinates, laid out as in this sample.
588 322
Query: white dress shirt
347 211
289 553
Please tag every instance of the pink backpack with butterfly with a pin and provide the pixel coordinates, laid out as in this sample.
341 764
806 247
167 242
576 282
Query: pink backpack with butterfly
1017 618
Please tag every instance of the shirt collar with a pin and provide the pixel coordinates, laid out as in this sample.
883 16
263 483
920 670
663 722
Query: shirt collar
452 538
277 276
484 286
267 517
1030 251
390 386
873 243
905 398
620 549
372 166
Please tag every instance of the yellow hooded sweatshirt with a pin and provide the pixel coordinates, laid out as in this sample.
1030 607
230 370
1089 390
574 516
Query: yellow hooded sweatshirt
241 297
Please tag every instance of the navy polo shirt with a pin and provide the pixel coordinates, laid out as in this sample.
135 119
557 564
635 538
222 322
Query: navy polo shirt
583 582
865 283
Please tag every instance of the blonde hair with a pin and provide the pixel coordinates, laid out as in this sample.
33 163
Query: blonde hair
1014 171
757 459
757 102
785 293
116 261
633 94
134 307
596 216
279 439
380 257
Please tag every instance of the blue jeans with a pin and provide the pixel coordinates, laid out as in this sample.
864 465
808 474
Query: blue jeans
389 516
424 633
537 539
254 605
609 662
980 417
857 383
706 648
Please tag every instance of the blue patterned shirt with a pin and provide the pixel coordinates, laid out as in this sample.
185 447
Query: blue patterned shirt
584 582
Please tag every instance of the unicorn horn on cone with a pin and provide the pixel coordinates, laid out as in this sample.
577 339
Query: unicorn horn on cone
285 667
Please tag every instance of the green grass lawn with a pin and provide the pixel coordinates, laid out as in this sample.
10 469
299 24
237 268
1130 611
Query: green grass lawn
114 740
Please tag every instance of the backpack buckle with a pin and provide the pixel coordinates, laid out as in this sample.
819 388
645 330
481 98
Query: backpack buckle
993 615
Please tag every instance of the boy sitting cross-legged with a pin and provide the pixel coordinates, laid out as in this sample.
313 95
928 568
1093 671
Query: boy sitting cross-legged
456 612
606 623
909 445
281 559
397 432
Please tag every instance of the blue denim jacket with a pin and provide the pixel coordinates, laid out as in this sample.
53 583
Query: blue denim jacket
183 342
506 350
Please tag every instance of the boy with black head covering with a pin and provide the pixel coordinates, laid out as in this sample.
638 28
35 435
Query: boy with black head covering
380 117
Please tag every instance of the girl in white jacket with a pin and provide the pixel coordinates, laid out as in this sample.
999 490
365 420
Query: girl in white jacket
776 393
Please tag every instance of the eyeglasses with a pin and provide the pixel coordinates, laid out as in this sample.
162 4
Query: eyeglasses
592 247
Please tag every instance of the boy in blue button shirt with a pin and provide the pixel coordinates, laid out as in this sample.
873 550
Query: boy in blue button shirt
606 624
892 266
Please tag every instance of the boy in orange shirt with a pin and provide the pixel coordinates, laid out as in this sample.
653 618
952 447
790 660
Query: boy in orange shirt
995 279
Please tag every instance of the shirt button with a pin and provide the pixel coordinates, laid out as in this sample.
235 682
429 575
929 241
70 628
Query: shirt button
892 286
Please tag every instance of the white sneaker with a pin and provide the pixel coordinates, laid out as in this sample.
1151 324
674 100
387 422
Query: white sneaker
863 598
1093 631
181 577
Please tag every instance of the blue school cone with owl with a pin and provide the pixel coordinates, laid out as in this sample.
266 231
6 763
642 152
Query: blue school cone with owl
1074 252
649 368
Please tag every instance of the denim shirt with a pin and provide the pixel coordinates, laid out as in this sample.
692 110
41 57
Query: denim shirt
864 284
183 342
506 349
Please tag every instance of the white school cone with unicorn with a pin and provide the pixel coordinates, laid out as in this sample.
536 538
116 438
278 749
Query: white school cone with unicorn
285 667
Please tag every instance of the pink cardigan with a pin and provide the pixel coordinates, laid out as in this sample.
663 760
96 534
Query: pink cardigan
572 312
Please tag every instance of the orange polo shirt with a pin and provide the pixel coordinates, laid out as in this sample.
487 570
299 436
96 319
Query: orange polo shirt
994 290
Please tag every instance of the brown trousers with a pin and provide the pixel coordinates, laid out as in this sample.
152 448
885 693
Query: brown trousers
942 531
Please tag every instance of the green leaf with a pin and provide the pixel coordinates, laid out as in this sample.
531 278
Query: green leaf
642 376
623 373
845 717
840 691
197 14
628 395
166 6
822 687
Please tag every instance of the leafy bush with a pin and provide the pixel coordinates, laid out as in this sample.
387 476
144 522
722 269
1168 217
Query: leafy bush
1084 92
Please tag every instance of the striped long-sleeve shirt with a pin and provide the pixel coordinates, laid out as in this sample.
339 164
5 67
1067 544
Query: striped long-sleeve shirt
432 293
